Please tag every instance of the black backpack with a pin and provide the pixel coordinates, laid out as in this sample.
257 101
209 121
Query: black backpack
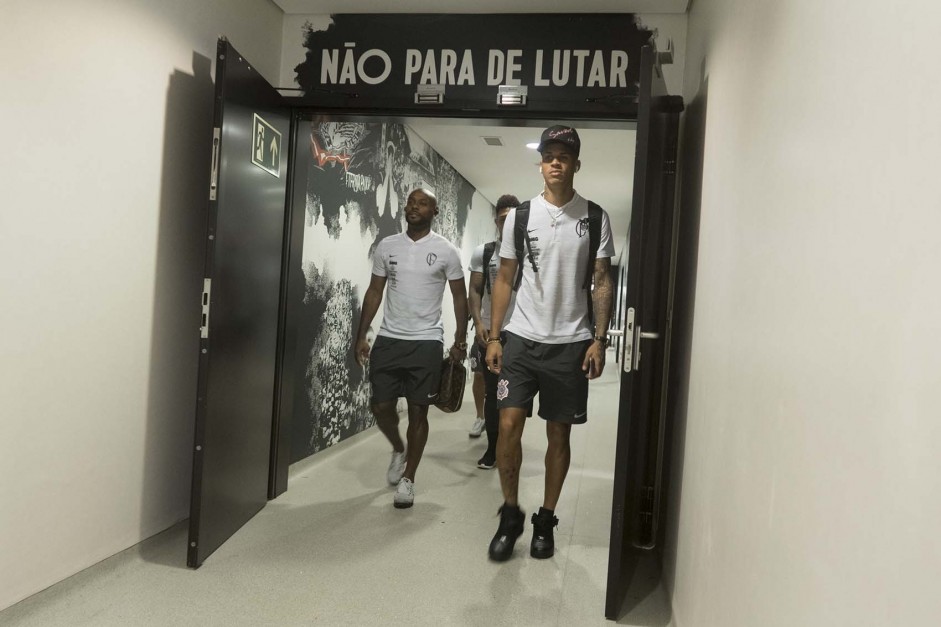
521 238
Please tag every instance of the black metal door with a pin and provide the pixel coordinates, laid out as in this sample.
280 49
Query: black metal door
238 346
636 519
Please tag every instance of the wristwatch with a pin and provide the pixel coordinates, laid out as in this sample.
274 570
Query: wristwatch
461 346
602 338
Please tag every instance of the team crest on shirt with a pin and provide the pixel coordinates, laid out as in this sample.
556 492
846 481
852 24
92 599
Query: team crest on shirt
431 258
503 389
581 227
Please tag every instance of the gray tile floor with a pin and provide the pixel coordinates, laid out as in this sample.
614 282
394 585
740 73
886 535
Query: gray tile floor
333 551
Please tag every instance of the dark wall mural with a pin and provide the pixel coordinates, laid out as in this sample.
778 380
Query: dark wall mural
358 176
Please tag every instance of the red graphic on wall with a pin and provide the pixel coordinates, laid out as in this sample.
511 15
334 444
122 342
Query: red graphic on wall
322 156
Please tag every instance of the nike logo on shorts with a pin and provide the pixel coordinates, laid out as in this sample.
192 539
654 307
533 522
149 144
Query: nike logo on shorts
433 395
581 415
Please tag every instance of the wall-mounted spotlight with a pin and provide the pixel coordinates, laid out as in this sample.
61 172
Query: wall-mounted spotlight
512 95
429 94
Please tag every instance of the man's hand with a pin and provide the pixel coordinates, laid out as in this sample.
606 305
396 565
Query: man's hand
593 364
482 335
456 353
361 351
494 357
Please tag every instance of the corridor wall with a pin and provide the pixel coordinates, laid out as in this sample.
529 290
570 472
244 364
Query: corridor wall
108 110
810 475
356 180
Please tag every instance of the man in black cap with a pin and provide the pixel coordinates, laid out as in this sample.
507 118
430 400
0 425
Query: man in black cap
553 346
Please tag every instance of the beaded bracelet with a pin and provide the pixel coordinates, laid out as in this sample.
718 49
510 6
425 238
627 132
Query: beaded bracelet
491 340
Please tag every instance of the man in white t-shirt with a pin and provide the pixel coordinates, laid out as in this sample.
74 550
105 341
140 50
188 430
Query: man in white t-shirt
478 299
406 357
553 347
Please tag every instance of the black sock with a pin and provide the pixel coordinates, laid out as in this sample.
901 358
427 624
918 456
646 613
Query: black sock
547 513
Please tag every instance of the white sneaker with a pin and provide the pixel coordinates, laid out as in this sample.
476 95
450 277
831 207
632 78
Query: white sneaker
404 494
396 468
478 428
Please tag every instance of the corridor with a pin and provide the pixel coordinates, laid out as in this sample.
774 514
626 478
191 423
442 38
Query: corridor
333 551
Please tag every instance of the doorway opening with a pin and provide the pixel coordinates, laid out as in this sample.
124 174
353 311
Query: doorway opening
351 177
256 278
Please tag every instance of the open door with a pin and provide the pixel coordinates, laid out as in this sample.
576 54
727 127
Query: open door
239 328
636 518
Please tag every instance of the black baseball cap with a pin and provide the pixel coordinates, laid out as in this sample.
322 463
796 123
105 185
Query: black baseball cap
562 134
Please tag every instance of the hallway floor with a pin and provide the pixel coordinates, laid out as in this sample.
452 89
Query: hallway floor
333 551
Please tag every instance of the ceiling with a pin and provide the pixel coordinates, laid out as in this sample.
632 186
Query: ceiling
607 154
607 157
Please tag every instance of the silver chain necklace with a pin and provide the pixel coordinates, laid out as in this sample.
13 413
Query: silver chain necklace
554 218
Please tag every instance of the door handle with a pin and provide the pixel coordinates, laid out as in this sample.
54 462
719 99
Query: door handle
632 337
641 335
627 360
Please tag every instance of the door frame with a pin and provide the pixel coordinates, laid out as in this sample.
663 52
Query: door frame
304 108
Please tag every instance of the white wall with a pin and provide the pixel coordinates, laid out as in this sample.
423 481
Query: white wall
811 487
669 28
107 112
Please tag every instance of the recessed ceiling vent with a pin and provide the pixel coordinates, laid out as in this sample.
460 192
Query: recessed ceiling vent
492 141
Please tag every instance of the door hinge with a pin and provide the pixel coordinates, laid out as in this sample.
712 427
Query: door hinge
214 176
204 321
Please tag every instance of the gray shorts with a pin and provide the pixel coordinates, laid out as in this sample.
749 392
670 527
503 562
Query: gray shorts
477 357
552 370
409 368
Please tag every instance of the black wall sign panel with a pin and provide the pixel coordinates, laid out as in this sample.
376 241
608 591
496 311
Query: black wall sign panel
637 507
241 304
567 62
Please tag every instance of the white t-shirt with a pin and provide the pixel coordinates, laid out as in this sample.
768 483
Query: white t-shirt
551 306
416 273
477 265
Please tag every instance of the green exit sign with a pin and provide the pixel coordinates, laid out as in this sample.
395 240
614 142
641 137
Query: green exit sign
266 149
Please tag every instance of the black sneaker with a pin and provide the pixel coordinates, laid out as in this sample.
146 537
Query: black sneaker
543 544
488 461
511 528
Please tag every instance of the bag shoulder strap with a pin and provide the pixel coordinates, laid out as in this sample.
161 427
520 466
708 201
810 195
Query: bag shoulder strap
594 240
488 255
521 242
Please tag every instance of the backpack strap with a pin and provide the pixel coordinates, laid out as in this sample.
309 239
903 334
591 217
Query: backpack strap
594 240
521 243
488 255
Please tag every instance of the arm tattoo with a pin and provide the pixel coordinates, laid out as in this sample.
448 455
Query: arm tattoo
602 295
